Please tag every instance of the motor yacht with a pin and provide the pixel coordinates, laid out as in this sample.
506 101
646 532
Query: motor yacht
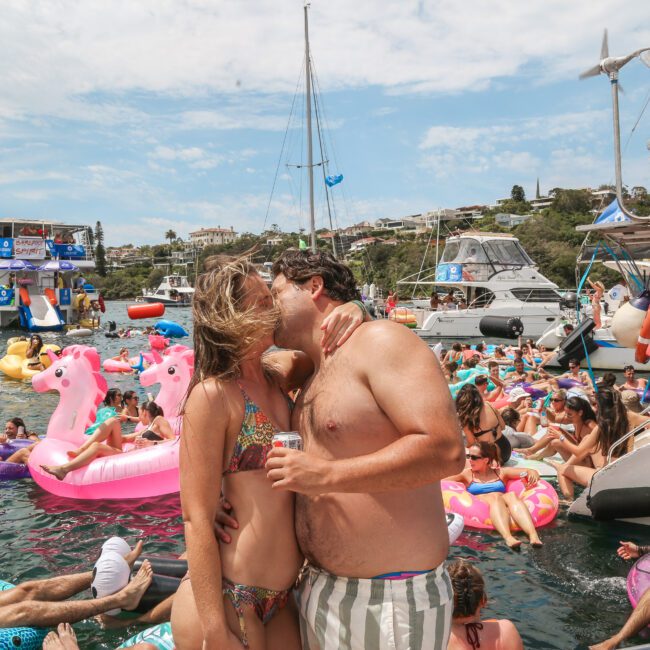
497 289
173 291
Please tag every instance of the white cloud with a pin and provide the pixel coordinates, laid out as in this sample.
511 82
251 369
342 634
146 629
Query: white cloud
80 59
194 157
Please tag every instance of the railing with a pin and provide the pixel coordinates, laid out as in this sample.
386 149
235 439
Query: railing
628 435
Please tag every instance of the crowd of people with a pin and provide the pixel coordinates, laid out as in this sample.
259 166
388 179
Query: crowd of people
367 464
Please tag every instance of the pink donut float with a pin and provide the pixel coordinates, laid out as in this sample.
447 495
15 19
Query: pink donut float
541 501
638 579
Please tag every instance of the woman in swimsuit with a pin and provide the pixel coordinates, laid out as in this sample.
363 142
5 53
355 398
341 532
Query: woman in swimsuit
33 352
238 594
613 422
565 438
108 440
596 296
130 408
455 354
481 421
485 479
468 631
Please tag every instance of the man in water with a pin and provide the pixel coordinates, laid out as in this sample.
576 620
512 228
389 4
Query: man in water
380 431
44 603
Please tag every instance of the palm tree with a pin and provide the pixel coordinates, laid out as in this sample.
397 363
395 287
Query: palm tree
171 235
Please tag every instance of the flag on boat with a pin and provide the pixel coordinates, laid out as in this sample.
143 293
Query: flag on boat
331 181
612 214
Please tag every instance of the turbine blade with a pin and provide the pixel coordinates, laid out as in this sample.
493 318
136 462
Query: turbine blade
592 72
604 48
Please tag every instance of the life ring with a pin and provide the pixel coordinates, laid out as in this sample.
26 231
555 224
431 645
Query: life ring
541 501
403 316
641 352
26 638
638 579
13 472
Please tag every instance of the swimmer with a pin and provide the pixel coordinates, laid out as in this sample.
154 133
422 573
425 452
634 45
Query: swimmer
468 631
33 352
486 480
15 429
632 382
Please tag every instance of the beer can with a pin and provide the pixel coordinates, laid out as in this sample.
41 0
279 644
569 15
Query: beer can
288 439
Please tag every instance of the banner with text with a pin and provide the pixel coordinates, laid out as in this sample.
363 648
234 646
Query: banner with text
29 248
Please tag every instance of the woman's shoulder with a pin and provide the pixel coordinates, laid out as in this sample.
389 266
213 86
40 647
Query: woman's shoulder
501 634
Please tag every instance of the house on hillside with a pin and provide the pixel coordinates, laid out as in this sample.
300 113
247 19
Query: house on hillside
511 220
362 244
212 237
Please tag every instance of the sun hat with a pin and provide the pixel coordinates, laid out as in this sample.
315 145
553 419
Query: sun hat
516 394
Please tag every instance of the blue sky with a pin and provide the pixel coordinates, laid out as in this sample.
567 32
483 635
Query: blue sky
157 115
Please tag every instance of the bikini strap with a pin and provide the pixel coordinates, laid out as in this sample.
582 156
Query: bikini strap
471 632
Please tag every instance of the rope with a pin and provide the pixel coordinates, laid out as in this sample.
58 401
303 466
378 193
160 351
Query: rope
632 263
582 336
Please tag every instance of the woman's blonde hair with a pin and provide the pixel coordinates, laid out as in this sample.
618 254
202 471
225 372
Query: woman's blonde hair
226 327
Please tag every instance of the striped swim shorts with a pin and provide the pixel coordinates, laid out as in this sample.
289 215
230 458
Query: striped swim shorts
375 614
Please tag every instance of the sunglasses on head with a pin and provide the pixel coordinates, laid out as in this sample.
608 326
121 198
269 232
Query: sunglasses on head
473 457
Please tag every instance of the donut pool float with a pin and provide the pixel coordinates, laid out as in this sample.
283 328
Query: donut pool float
159 636
638 579
541 501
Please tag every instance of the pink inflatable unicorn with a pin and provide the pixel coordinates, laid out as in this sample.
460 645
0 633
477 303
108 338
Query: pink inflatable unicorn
173 372
135 474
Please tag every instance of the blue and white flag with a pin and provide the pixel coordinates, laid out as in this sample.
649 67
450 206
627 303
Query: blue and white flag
331 181
612 214
6 247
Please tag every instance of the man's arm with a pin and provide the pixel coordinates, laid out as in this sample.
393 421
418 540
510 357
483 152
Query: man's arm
409 387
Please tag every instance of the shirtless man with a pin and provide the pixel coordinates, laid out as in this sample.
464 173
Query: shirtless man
379 432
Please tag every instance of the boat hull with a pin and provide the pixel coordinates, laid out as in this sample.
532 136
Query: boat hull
166 301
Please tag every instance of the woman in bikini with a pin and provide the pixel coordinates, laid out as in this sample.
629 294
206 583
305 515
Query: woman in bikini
565 438
613 422
33 352
238 594
468 630
130 408
486 480
109 440
481 421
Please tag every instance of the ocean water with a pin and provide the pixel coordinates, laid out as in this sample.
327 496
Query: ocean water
564 596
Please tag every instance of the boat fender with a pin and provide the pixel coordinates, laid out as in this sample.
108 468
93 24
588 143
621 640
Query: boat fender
620 503
505 327
628 319
146 310
25 638
455 525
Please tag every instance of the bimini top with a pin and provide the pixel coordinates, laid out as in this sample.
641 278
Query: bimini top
633 236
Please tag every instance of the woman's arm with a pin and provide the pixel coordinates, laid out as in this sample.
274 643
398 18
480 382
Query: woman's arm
586 447
464 477
205 425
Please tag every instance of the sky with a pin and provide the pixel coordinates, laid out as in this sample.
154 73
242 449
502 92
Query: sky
181 114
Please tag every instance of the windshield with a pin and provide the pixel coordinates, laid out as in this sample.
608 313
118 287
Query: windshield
464 251
507 252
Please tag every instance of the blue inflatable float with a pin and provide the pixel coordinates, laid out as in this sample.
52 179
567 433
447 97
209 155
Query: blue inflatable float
170 329
160 636
26 638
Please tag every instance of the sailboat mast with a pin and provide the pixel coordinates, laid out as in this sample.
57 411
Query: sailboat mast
310 153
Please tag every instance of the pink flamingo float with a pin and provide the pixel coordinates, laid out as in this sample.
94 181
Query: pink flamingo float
138 473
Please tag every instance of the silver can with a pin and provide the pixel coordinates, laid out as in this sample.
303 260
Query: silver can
288 439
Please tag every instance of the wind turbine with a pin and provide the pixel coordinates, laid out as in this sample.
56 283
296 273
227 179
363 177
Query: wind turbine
610 65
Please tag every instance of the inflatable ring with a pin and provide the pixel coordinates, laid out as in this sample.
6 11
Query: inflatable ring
568 382
160 636
13 472
26 638
403 316
638 579
541 501
16 365
12 446
455 525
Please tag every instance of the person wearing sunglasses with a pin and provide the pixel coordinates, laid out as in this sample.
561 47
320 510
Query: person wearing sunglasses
632 382
130 406
486 480
579 376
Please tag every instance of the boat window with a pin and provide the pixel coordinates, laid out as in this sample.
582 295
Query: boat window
483 297
507 252
160 292
464 251
536 295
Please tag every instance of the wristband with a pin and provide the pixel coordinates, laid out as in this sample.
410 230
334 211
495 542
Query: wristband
361 306
562 438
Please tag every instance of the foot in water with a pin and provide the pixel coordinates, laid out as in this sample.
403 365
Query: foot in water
513 543
63 639
134 591
57 472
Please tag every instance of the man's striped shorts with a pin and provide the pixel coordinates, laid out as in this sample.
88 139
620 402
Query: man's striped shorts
375 614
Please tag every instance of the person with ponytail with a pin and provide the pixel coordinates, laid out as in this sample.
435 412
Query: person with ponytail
613 421
468 630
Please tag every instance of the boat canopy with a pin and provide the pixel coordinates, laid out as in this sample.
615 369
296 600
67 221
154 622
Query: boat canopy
630 236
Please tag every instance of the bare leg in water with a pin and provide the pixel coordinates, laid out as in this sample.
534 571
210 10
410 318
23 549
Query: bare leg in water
639 618
65 639
500 516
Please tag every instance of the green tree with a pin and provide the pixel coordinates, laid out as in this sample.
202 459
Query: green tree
572 201
517 194
100 251
171 235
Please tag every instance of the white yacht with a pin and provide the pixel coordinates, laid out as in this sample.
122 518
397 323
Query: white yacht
498 289
173 291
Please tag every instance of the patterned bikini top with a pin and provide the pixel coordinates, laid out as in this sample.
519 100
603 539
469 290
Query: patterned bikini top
255 438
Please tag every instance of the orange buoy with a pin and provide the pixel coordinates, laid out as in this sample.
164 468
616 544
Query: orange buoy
147 310
641 353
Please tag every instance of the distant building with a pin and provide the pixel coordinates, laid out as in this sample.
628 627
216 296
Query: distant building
510 220
358 228
471 211
406 223
212 237
362 244
274 241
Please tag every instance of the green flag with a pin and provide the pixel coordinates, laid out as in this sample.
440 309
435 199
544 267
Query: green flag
302 245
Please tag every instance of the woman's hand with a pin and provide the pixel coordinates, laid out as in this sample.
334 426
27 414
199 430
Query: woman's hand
141 442
532 478
628 551
339 325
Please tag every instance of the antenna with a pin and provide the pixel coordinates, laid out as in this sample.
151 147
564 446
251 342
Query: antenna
610 65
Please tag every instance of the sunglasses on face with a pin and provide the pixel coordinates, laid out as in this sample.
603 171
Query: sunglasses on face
557 399
473 457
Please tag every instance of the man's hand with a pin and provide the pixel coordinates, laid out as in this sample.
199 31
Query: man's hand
224 519
628 551
290 469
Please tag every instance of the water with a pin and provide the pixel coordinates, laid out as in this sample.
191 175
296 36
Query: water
564 596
